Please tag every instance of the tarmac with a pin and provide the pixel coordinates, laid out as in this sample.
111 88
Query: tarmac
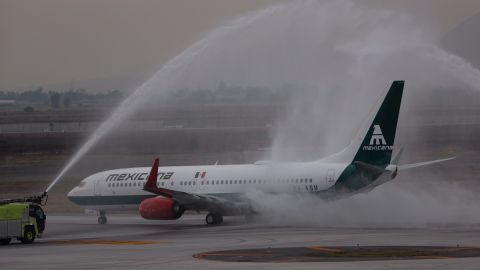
130 242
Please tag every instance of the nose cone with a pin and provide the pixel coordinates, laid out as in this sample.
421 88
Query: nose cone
73 194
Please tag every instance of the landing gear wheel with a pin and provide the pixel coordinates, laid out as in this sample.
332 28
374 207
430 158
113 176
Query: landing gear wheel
28 235
5 241
102 220
214 219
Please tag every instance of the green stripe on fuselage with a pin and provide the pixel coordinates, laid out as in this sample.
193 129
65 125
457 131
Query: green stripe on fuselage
109 200
137 199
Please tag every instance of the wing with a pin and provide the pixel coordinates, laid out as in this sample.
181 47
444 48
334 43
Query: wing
192 201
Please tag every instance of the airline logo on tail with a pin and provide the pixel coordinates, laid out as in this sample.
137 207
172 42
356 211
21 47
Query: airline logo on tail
377 141
377 137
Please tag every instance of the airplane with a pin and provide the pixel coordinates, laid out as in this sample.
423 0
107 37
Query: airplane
165 193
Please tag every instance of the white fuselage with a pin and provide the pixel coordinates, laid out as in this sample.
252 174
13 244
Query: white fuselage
122 189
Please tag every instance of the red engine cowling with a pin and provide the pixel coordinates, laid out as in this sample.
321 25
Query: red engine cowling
161 208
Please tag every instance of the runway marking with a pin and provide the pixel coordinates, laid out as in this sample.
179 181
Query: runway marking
235 254
103 242
325 249
433 257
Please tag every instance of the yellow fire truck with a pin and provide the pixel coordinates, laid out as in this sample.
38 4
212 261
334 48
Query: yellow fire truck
22 219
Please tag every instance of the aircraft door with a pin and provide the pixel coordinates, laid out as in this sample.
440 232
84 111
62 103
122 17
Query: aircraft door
330 176
97 188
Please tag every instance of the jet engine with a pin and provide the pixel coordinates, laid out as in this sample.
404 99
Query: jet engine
161 208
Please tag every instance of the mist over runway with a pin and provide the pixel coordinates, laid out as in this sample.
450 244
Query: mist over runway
77 242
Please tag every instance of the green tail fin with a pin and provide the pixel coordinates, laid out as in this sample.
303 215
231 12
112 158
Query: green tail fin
376 148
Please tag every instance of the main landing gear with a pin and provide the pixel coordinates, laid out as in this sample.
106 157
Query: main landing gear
214 219
102 218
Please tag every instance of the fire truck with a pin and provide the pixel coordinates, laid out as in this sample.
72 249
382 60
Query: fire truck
22 219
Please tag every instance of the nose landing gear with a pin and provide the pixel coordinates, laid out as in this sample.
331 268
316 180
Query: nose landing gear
102 219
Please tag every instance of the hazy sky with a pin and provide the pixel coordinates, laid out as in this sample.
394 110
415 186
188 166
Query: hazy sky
47 42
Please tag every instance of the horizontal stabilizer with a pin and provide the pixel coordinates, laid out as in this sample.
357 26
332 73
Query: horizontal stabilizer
415 165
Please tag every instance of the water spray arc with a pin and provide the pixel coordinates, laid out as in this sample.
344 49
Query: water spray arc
163 80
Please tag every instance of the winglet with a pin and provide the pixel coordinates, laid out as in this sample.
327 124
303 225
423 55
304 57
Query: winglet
151 185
